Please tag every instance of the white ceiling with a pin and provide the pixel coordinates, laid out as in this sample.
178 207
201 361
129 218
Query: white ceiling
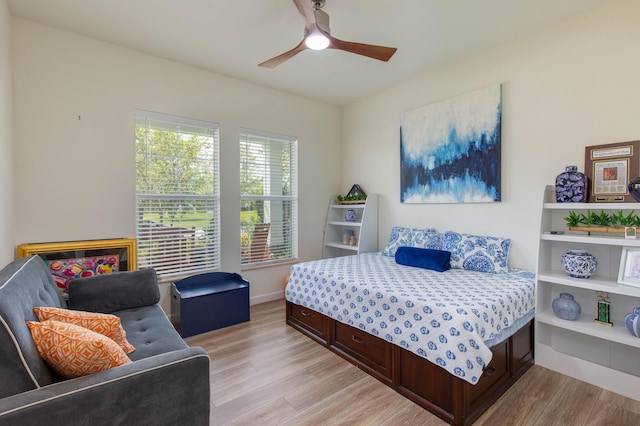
231 37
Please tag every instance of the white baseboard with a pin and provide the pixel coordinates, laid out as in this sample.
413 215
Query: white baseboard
266 298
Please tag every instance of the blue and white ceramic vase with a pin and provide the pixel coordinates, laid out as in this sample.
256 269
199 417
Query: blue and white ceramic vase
632 321
571 186
350 215
566 308
579 263
634 188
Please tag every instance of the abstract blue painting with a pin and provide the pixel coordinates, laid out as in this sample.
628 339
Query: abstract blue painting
450 150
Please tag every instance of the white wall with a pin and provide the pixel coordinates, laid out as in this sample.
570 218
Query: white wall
7 248
75 171
570 86
567 87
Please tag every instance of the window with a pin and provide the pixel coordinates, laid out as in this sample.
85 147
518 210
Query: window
177 194
269 198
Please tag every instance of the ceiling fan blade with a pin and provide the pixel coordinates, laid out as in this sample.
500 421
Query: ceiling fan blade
315 20
274 62
380 53
305 7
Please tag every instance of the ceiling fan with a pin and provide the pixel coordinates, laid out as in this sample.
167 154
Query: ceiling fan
317 36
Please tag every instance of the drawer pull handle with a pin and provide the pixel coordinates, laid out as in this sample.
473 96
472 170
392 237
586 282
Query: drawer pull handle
305 314
355 339
490 371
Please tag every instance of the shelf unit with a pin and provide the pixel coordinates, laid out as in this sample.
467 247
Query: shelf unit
608 357
365 228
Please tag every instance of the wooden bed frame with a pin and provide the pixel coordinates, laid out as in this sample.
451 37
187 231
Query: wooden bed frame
428 385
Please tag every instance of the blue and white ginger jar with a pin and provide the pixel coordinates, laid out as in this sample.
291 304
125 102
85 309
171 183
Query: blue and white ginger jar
579 263
566 308
571 186
632 321
350 215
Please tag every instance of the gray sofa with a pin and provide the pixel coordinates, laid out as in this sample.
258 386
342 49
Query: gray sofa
166 384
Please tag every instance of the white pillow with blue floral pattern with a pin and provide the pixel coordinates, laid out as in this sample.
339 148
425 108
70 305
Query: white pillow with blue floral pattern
399 237
427 238
477 252
406 237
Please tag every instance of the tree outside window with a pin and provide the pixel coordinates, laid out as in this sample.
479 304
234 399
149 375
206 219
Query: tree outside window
176 194
268 212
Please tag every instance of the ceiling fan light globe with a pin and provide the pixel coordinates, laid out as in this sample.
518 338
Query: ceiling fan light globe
316 41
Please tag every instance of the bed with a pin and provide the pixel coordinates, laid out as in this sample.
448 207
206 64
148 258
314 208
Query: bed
451 341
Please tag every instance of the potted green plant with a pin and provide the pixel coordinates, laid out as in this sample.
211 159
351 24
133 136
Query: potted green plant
574 219
619 219
351 199
601 222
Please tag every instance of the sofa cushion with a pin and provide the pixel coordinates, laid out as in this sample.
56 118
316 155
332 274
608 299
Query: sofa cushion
109 293
105 324
150 331
74 351
24 283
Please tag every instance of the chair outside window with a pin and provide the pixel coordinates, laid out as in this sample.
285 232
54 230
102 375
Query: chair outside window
268 198
259 250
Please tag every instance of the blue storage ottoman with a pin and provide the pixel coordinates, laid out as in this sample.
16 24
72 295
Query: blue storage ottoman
209 301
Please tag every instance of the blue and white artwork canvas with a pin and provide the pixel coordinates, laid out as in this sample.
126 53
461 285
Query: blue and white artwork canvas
450 150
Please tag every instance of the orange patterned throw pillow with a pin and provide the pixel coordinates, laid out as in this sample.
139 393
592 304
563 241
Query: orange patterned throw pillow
74 351
105 324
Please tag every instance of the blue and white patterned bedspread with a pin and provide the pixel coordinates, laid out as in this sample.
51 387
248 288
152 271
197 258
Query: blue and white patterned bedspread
446 317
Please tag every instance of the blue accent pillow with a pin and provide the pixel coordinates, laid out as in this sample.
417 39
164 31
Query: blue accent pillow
401 236
435 260
477 252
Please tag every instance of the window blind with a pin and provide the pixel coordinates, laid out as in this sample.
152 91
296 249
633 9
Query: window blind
177 194
268 195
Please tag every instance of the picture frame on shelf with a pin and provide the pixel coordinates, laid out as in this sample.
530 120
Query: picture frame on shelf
629 272
609 168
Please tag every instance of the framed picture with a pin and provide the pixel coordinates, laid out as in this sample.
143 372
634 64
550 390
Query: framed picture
630 267
79 259
609 168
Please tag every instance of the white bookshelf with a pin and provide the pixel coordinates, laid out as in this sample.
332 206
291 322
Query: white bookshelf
608 357
365 228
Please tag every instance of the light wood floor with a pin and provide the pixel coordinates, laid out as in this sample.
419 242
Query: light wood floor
265 373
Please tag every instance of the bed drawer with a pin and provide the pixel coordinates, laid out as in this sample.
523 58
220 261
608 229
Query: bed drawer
368 350
494 374
310 322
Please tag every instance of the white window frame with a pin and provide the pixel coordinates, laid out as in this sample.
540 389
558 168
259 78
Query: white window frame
189 243
282 240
